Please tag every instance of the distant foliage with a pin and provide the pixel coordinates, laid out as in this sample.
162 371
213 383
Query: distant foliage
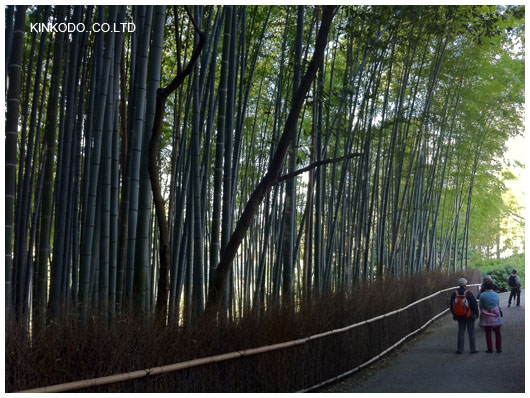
501 268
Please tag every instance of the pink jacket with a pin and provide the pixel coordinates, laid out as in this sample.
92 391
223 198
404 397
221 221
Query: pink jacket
491 317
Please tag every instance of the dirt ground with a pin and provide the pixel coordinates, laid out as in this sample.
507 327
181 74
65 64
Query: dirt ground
428 363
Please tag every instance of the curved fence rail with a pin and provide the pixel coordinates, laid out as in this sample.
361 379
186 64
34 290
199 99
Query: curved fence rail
160 370
350 372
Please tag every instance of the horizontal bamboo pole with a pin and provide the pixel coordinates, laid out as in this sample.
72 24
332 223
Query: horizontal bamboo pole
99 381
349 372
324 383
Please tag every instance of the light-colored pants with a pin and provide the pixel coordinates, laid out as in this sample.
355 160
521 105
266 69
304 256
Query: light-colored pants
462 325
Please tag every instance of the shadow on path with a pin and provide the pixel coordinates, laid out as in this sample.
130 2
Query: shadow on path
429 363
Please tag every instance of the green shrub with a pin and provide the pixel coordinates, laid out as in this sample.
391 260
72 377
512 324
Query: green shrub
500 275
500 269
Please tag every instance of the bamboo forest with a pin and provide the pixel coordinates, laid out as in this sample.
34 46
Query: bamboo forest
187 181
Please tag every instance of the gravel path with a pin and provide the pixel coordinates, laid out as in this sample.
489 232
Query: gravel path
428 363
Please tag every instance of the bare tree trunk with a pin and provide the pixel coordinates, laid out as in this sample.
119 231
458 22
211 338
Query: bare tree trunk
219 282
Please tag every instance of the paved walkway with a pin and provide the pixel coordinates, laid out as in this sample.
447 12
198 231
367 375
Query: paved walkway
429 363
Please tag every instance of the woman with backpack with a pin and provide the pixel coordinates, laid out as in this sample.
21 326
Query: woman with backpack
491 316
464 308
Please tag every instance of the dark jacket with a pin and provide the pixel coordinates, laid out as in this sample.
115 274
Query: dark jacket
483 289
470 299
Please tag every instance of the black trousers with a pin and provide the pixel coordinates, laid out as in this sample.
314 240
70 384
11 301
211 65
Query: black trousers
515 292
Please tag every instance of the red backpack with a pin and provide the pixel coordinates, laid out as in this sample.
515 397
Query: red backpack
461 305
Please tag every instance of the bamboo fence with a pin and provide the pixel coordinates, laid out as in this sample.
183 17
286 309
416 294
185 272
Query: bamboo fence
76 385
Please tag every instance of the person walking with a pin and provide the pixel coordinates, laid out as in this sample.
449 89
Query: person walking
483 286
515 288
464 308
491 317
